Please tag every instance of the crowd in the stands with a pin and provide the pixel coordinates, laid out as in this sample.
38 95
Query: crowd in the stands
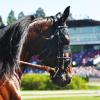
85 58
89 71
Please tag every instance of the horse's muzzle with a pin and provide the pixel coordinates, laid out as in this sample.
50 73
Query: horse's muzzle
60 78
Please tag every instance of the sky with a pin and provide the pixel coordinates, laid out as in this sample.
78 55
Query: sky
79 8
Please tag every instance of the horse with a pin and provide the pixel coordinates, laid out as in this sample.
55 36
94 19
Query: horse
30 36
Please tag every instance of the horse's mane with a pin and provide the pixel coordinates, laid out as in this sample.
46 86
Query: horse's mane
12 38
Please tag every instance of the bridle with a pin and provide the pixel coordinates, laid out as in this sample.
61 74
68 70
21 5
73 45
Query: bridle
63 65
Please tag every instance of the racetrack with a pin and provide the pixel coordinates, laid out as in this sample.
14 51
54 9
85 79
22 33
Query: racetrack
58 94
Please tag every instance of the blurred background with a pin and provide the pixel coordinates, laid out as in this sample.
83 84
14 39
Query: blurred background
84 31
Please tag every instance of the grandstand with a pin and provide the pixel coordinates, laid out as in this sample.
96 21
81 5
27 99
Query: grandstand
85 40
84 32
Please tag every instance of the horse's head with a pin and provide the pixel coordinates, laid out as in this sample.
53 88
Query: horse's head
48 37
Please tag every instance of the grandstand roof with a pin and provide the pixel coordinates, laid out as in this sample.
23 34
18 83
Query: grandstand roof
83 23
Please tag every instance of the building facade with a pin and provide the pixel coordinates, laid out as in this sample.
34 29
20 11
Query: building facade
84 32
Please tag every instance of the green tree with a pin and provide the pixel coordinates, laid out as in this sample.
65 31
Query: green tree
11 17
1 22
20 15
40 13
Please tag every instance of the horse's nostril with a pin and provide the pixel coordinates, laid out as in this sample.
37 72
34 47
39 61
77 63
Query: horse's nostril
61 79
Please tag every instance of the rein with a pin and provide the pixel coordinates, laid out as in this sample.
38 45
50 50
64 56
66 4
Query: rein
35 66
45 68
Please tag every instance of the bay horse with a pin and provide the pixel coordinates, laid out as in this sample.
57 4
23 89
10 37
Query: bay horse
30 36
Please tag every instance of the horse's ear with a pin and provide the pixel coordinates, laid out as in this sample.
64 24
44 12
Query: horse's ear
65 15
